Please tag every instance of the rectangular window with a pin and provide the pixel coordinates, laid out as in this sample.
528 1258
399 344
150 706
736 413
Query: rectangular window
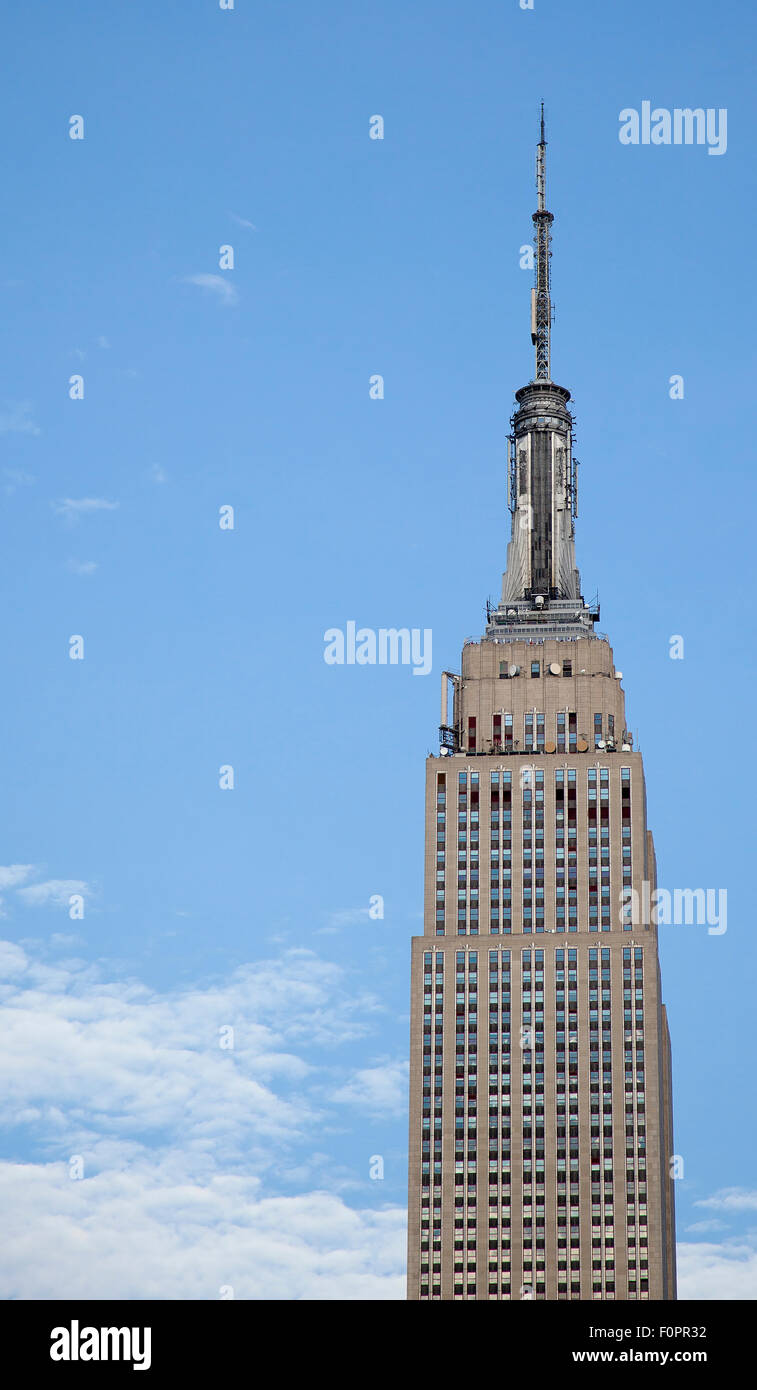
471 733
535 669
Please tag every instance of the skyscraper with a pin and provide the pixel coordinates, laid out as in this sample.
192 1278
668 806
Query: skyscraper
540 1087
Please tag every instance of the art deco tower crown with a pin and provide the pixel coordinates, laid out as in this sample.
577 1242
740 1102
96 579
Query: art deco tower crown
541 588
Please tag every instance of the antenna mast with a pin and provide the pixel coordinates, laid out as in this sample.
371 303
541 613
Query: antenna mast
541 304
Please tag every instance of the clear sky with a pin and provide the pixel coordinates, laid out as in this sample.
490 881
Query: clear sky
247 1167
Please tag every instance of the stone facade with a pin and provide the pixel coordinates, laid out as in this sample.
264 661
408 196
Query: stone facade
598 1208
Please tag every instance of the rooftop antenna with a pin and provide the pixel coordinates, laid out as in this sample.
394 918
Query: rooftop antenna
540 164
541 304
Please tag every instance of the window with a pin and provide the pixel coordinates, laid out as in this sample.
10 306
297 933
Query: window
535 670
567 668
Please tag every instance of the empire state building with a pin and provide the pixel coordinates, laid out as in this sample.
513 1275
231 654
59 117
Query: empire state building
540 1081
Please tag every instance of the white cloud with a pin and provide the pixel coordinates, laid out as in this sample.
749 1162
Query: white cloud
345 917
13 874
704 1227
730 1199
16 419
82 567
154 1231
13 960
381 1090
243 222
222 288
16 477
181 1139
158 474
55 892
102 341
724 1271
72 508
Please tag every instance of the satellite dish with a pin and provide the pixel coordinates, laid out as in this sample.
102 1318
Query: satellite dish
618 675
582 745
550 748
513 670
601 743
554 667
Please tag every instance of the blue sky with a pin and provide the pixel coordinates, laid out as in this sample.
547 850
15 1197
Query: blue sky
249 1167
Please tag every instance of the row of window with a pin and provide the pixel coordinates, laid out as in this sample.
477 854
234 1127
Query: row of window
598 914
532 1213
540 736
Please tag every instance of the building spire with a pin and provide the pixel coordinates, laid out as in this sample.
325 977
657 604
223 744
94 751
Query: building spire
541 304
540 162
541 587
